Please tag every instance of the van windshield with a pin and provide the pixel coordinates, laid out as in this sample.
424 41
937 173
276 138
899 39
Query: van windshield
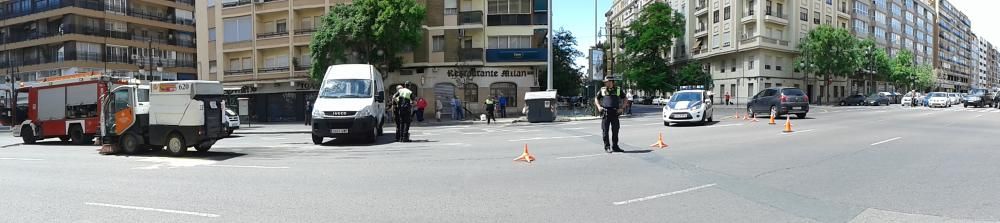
346 88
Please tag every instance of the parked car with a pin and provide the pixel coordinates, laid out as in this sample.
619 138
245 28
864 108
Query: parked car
954 98
938 99
912 99
688 106
646 100
853 100
978 98
780 100
877 99
660 100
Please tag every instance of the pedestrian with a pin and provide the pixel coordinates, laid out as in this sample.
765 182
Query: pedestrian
421 105
609 102
490 105
438 106
457 111
628 97
727 98
404 107
503 106
309 109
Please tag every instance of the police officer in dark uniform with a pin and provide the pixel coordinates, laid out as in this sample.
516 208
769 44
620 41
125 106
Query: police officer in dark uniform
609 102
403 105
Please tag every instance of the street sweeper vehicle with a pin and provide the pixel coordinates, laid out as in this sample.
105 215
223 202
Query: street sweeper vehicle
178 115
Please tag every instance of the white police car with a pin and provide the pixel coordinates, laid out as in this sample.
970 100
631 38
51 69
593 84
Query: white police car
688 106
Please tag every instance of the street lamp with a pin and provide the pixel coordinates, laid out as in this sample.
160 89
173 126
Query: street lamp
149 62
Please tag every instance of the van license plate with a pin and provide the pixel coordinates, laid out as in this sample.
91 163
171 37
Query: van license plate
338 130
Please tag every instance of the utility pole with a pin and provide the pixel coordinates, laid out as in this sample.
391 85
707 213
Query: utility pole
548 82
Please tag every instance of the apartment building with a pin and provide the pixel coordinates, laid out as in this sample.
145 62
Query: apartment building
895 25
623 12
749 45
472 49
985 75
954 61
149 39
994 63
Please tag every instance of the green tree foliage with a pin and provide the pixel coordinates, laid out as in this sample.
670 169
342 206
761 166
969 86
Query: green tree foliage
566 78
925 77
647 42
364 28
694 74
830 52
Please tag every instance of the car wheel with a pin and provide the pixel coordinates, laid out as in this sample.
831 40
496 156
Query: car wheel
800 116
774 111
317 139
965 105
129 143
843 103
372 137
666 123
176 145
751 113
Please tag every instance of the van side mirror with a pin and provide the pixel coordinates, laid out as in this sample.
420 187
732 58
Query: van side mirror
380 97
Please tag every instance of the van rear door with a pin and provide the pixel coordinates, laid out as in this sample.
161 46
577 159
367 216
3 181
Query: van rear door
213 116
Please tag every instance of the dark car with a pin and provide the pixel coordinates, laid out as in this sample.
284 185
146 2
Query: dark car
877 99
781 100
978 98
853 100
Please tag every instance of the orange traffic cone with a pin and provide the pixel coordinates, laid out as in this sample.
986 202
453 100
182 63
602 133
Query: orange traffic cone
746 117
754 119
659 143
737 115
788 124
772 120
525 156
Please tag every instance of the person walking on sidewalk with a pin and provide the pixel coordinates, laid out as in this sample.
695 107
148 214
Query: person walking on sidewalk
438 106
490 106
457 111
421 105
503 106
727 98
309 111
609 102
628 97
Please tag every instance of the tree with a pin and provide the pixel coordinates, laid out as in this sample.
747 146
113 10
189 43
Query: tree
369 31
875 65
903 72
829 52
694 74
925 77
647 42
566 77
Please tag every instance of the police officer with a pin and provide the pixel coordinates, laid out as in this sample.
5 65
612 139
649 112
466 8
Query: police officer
609 102
403 105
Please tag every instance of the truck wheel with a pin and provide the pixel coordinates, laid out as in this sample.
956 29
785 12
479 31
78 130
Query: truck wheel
129 144
77 136
176 145
316 139
27 135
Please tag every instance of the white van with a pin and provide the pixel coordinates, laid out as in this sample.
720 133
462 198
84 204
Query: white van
350 103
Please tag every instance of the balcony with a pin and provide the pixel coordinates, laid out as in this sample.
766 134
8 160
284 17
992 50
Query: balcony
305 31
48 5
272 70
272 34
516 55
765 42
471 54
701 8
776 18
238 72
236 3
470 18
272 5
748 19
701 31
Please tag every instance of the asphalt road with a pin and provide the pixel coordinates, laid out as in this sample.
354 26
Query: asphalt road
842 164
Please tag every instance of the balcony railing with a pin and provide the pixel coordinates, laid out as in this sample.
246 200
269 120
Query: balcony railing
238 72
272 34
470 17
305 31
701 5
779 15
272 69
162 17
48 5
471 54
236 3
189 2
304 67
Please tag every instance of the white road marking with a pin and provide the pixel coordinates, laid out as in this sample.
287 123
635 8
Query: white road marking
726 125
800 131
663 194
20 159
888 140
256 167
979 116
154 209
583 156
574 128
544 138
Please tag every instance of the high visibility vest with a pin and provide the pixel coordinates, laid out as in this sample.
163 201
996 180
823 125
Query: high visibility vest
611 99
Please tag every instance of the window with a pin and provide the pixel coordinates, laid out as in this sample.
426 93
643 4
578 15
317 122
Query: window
235 64
880 4
908 30
509 42
829 2
816 17
860 27
909 17
778 62
247 63
750 63
497 7
471 92
829 20
733 64
880 18
804 14
506 89
909 3
722 68
437 44
237 29
896 11
212 67
281 26
726 12
781 11
307 23
896 25
715 16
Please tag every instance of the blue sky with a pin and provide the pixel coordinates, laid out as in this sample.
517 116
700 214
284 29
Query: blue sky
577 16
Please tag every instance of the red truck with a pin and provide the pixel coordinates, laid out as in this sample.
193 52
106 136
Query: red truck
64 107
